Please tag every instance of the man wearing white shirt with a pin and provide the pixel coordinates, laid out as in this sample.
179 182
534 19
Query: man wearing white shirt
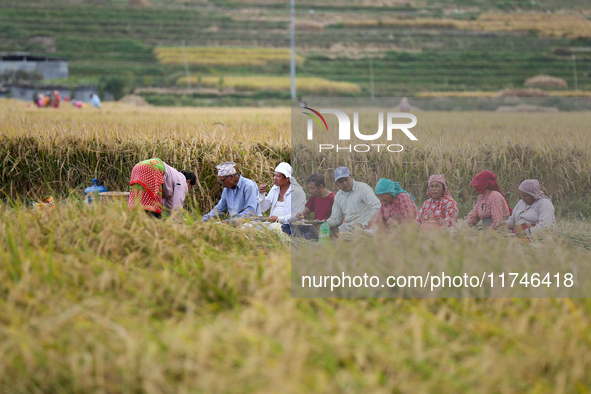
286 198
95 100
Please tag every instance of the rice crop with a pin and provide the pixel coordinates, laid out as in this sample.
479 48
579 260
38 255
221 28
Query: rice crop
550 147
106 300
551 93
304 84
567 26
220 56
101 299
426 23
456 94
408 252
59 151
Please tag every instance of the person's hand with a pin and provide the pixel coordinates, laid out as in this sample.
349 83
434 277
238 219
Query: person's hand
225 221
273 219
503 226
430 226
262 189
236 222
300 216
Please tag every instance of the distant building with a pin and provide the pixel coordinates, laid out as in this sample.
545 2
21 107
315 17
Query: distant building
49 68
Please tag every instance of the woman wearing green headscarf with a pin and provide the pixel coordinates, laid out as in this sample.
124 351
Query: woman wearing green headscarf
398 206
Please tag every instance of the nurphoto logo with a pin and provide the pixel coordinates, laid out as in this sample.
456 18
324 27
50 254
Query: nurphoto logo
345 130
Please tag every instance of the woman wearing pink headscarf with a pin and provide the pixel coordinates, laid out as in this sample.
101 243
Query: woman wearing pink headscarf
440 209
492 206
533 210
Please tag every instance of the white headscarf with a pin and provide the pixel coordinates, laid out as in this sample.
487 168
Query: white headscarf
285 169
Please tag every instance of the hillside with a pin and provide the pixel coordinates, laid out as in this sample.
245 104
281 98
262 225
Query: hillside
412 46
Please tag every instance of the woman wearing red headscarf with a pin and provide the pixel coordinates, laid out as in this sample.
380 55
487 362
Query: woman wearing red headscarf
492 205
440 210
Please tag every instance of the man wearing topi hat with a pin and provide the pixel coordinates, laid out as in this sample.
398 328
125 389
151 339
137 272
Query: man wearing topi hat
286 198
355 202
239 196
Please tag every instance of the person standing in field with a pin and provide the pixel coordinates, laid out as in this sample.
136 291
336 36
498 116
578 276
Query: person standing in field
404 105
354 203
440 209
239 196
534 211
286 198
155 186
320 201
492 206
95 100
397 206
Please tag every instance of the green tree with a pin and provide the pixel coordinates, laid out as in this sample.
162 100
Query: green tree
115 85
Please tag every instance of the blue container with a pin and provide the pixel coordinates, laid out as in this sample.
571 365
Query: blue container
94 189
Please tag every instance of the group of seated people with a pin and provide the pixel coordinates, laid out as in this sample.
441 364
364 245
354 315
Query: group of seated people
355 205
50 99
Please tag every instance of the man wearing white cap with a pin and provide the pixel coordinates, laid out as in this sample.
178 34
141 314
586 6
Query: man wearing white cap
239 196
355 202
286 198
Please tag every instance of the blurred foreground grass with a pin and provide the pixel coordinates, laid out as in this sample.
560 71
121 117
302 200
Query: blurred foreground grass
103 300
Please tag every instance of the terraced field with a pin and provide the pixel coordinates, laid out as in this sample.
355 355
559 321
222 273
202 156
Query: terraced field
111 39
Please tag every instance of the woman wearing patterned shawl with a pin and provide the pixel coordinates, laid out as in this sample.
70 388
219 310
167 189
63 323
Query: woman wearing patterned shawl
533 210
492 205
440 209
398 206
154 185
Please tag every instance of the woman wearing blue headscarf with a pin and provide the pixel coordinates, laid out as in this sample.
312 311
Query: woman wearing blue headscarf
398 206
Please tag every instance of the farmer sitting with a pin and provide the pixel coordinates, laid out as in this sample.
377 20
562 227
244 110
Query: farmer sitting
397 207
492 206
286 198
355 202
440 209
239 197
320 201
534 211
320 204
